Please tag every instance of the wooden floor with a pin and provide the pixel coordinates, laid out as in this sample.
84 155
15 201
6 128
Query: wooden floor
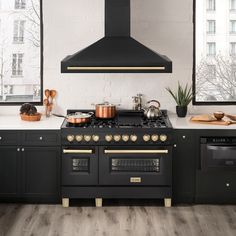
117 219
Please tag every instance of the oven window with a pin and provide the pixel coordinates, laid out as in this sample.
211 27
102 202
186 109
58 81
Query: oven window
135 165
80 165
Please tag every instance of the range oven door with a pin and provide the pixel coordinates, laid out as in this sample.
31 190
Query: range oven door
79 166
218 156
135 166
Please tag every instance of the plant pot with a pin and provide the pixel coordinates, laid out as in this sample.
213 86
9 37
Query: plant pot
181 111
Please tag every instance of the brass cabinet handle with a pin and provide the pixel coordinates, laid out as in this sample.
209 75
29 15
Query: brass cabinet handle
67 151
164 151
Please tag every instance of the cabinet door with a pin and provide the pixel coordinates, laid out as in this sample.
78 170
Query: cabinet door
184 162
41 168
9 171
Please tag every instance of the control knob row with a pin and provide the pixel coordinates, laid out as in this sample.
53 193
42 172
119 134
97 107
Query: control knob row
80 138
154 138
118 138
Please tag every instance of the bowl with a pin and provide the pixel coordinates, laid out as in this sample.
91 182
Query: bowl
219 115
35 117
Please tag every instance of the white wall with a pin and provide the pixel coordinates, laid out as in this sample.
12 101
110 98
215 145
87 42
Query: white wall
164 26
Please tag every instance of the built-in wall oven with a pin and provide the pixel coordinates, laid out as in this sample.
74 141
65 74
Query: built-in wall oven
142 165
218 153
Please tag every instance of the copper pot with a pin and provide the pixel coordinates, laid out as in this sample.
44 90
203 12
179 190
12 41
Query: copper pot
105 110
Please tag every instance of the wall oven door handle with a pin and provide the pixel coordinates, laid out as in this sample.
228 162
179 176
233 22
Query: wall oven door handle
218 147
73 151
159 151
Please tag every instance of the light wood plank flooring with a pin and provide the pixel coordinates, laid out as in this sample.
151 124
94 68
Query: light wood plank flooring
117 220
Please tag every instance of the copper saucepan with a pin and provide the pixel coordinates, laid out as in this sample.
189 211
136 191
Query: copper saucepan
77 118
105 110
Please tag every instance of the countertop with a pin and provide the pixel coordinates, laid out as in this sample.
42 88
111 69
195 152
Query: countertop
14 122
185 123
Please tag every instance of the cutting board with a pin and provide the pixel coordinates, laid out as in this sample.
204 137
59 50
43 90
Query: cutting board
211 120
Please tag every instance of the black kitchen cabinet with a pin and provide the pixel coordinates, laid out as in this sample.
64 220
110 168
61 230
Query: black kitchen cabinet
40 171
9 172
184 165
215 183
30 166
216 187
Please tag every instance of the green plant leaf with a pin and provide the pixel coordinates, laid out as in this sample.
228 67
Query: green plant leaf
183 96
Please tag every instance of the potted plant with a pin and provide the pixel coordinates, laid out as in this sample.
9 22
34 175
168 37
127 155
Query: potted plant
183 97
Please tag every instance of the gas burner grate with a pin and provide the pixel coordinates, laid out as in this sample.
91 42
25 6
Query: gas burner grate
125 120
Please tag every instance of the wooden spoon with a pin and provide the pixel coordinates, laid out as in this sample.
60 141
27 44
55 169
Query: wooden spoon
46 102
53 94
47 93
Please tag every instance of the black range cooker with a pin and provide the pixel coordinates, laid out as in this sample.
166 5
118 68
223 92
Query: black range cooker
129 156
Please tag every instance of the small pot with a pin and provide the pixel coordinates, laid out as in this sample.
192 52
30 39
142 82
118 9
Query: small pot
181 111
105 110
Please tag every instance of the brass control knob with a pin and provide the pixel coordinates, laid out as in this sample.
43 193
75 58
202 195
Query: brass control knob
108 138
125 138
70 138
146 137
163 137
95 138
155 137
87 138
117 137
133 138
79 138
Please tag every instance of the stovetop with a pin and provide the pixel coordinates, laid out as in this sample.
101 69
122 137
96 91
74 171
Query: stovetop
123 119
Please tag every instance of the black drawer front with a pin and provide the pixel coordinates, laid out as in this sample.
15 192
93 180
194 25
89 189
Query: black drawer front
41 138
215 186
9 137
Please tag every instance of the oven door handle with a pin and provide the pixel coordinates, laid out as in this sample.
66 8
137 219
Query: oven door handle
73 151
219 147
159 151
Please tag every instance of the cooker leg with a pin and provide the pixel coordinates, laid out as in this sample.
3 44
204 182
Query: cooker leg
98 202
65 202
167 202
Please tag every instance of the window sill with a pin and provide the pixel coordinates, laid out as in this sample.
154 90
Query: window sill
211 10
17 76
16 42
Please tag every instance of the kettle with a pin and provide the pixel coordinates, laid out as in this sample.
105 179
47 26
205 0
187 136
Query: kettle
152 111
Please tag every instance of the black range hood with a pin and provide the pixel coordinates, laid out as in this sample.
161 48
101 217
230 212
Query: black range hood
117 52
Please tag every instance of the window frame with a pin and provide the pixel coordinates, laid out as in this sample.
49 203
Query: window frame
194 102
41 65
230 6
208 31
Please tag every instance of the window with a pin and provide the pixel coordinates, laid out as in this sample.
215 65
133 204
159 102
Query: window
211 26
17 61
232 5
233 26
21 58
214 77
233 48
211 49
20 4
211 5
19 28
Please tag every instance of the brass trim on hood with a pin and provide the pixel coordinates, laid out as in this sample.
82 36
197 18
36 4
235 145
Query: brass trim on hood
115 68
